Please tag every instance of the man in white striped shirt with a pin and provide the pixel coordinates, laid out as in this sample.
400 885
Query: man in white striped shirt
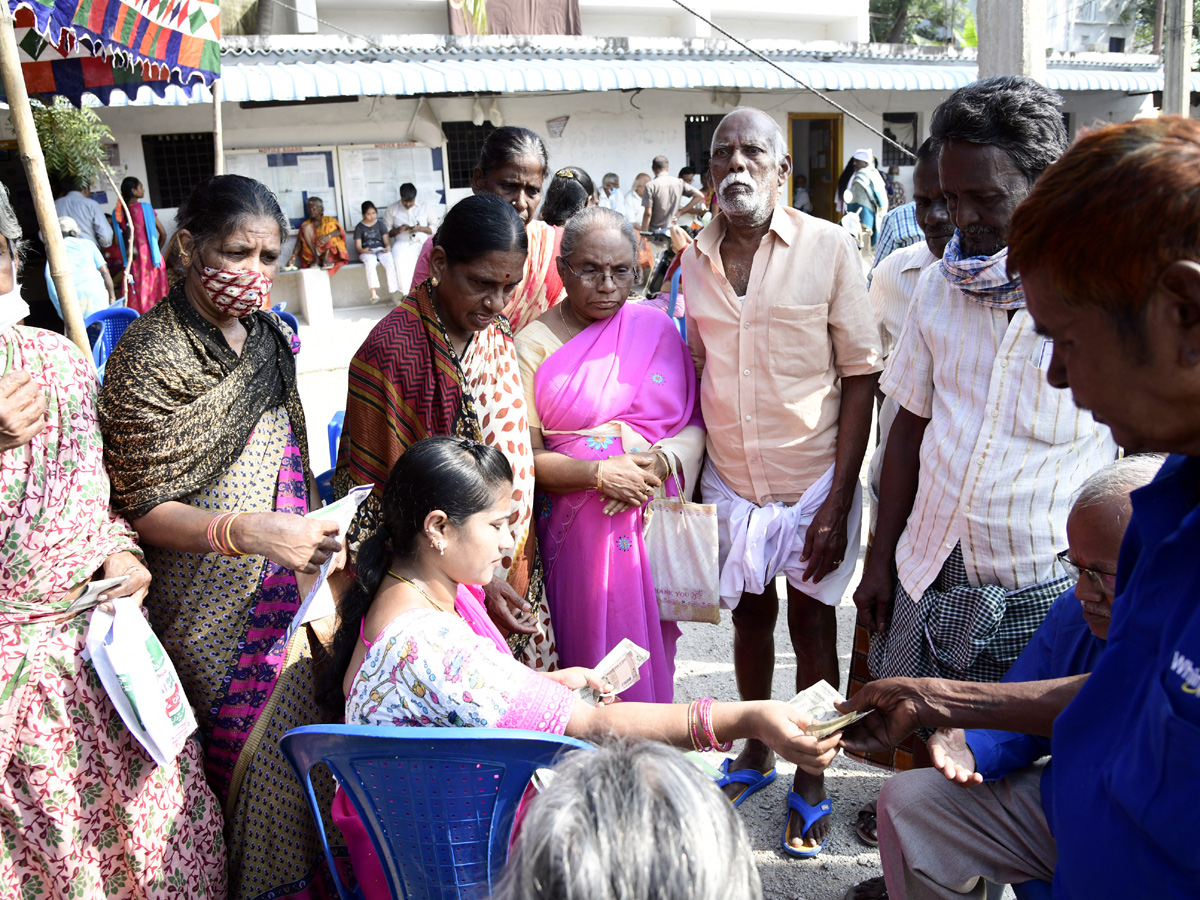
983 456
895 285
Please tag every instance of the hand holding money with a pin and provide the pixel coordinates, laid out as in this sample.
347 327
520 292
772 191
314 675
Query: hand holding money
619 668
817 703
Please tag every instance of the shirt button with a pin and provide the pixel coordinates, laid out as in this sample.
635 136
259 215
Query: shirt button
995 413
1003 363
745 371
747 325
747 418
966 509
949 545
754 459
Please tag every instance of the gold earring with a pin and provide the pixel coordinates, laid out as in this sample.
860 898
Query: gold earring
186 259
434 281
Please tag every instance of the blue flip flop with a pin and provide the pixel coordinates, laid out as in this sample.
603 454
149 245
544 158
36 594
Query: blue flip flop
752 778
808 815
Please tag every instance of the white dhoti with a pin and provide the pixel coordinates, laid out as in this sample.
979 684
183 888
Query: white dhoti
759 543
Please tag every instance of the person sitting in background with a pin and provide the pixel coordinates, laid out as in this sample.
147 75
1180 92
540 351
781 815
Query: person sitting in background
570 191
611 391
801 199
633 208
93 283
513 164
941 840
141 250
610 193
414 646
321 241
632 821
77 203
897 196
408 218
373 246
86 812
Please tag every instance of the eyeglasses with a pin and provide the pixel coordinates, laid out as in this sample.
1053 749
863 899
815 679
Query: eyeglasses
622 276
1102 580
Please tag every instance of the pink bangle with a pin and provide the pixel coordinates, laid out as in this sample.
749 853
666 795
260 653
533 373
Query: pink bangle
709 732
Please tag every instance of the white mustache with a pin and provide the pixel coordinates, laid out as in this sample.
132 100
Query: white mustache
737 178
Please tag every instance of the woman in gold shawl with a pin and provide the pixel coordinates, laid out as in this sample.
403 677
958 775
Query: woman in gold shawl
513 165
321 241
204 441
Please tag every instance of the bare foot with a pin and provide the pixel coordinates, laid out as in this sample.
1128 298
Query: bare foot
872 889
811 789
755 755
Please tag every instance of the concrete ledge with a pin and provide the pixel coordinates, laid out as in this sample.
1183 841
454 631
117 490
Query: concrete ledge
345 290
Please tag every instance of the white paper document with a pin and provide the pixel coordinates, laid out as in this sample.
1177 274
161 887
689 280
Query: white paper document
139 678
618 668
318 603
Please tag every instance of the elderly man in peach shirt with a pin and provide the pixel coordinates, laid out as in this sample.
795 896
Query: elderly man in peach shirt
788 351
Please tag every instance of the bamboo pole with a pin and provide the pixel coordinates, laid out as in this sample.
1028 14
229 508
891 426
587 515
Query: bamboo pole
218 134
127 276
39 182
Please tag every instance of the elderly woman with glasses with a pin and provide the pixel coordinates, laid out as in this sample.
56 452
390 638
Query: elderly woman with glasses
613 404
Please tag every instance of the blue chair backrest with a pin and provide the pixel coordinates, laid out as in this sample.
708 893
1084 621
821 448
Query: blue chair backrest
1033 890
335 435
104 329
437 802
325 486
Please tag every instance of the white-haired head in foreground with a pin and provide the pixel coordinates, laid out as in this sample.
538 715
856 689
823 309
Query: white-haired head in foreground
1113 483
632 821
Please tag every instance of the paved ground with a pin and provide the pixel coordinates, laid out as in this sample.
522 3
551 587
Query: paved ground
704 665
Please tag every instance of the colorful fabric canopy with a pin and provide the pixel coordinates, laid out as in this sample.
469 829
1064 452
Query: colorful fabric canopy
72 47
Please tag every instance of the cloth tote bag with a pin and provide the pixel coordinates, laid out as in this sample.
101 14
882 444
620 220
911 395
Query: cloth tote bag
681 545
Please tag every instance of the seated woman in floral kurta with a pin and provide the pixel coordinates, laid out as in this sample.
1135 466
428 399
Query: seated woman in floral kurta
415 647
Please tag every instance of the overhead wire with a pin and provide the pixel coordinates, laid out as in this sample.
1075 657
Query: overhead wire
795 78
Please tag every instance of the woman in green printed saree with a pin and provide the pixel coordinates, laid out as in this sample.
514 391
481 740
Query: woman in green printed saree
84 811
205 444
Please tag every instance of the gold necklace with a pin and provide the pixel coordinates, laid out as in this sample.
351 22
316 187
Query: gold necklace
416 587
562 315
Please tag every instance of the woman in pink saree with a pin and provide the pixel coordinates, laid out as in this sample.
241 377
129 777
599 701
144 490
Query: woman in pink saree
612 394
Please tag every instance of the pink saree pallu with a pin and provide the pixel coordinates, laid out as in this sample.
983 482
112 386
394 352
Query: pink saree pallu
621 385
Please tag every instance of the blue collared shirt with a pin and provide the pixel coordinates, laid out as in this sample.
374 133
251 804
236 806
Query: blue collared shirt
1125 805
1062 646
899 229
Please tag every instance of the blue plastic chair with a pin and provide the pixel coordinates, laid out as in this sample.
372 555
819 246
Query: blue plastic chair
104 329
680 321
335 435
1033 890
437 802
325 486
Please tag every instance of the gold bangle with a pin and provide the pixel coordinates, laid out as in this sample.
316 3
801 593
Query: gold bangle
234 551
600 475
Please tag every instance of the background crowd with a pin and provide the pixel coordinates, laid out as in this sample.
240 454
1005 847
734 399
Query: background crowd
515 413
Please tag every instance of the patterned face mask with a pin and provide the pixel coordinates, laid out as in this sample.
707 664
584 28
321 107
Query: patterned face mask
235 293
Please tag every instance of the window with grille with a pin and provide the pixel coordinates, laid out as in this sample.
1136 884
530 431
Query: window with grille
901 128
464 140
175 164
698 133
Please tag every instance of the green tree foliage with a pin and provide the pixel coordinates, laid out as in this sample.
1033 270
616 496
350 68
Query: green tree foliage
1141 13
72 139
922 22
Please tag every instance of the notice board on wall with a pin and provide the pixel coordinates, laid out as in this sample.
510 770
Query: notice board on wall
375 172
294 174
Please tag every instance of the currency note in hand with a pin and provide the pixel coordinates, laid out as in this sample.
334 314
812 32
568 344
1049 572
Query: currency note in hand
618 668
817 702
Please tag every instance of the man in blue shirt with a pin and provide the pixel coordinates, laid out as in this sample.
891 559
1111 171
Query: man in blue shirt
1108 248
900 229
941 838
87 213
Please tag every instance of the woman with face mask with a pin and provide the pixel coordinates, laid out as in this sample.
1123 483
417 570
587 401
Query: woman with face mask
204 441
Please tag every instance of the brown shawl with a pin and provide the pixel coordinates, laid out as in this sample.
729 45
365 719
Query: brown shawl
178 405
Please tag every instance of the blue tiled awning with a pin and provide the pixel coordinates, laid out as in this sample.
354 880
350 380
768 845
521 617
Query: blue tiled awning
248 80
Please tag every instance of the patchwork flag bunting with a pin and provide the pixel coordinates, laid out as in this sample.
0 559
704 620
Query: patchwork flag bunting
72 47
